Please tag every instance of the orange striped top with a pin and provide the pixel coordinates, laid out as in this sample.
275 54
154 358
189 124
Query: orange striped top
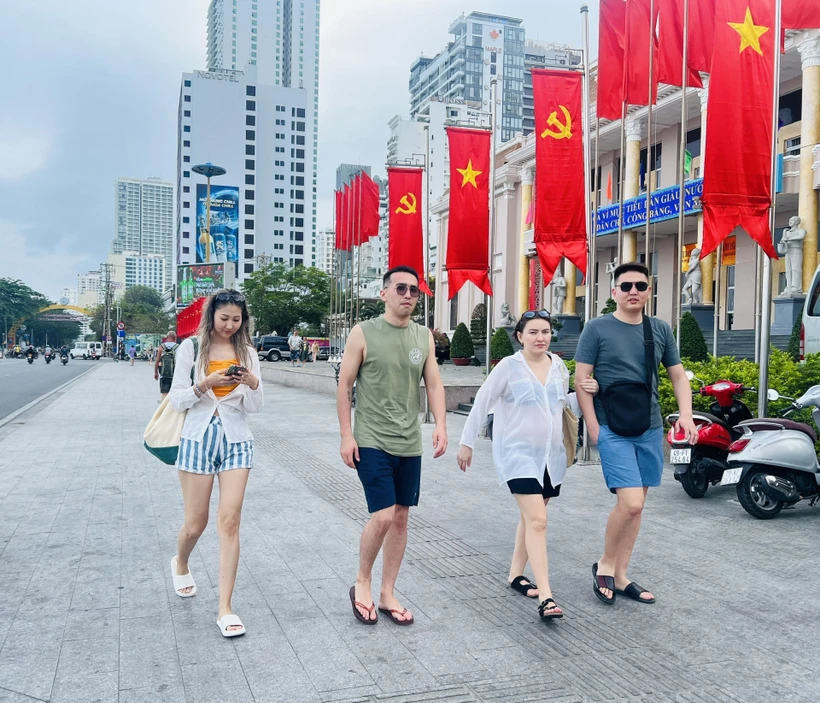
221 391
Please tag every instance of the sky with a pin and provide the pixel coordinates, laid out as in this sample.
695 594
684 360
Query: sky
91 91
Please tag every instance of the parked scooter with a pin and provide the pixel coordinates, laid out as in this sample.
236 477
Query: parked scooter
704 463
774 463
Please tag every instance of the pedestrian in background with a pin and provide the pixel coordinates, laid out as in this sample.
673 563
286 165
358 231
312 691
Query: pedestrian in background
164 364
295 346
216 439
314 351
132 352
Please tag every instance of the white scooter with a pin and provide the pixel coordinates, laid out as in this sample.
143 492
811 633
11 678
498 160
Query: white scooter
774 463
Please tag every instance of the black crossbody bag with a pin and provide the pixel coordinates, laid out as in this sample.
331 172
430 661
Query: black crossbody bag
628 405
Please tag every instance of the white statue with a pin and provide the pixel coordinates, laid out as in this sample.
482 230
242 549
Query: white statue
610 271
791 244
692 287
559 293
506 319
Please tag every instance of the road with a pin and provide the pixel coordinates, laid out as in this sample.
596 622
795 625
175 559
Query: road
22 382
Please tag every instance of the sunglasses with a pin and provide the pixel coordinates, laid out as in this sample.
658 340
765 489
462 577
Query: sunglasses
402 288
230 297
530 314
641 286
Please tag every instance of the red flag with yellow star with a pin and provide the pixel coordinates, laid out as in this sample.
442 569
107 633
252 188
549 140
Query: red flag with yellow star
406 222
801 14
468 231
560 220
737 183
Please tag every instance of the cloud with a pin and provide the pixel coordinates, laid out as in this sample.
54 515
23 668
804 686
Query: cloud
22 154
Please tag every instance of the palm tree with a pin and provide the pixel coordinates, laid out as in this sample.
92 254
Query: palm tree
371 308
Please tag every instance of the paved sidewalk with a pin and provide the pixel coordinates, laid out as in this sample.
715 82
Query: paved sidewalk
88 524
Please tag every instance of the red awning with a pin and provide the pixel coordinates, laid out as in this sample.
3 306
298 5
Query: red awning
188 319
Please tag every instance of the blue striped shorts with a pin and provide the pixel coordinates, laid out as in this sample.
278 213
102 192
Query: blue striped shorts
213 453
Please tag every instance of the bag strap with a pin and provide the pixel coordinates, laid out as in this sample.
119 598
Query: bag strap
649 352
196 351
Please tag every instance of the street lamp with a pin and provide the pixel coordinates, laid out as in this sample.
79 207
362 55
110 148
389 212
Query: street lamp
208 170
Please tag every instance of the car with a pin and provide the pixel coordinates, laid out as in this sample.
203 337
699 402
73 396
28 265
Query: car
86 350
273 348
810 327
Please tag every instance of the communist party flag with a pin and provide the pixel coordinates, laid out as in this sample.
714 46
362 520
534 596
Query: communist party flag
356 204
738 162
468 232
611 30
370 208
405 222
560 220
639 28
344 238
700 37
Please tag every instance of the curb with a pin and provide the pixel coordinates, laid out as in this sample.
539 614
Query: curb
8 418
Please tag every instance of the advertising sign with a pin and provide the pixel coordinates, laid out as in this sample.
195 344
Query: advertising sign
223 241
198 281
665 206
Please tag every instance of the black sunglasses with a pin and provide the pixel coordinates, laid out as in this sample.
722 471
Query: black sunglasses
228 297
530 314
640 285
402 288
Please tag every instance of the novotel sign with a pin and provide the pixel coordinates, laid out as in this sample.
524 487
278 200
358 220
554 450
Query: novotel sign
230 76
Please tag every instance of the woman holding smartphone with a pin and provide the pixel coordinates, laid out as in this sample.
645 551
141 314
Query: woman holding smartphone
527 393
216 439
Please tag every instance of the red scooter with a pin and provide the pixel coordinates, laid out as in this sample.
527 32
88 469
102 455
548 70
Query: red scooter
704 463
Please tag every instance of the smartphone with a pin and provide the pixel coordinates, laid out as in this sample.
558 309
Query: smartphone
234 370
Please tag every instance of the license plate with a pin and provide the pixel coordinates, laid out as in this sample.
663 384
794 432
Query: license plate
731 477
680 456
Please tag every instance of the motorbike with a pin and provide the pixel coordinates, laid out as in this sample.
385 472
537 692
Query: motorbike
699 466
64 359
774 463
30 358
49 357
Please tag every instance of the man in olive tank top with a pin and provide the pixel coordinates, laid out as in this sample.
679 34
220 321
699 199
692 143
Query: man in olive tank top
387 357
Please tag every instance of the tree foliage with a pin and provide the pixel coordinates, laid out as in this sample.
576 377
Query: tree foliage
140 309
55 332
371 308
794 340
692 341
18 301
281 297
500 344
610 307
462 346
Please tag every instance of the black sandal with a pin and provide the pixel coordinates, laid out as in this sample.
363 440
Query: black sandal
549 604
599 582
634 591
522 584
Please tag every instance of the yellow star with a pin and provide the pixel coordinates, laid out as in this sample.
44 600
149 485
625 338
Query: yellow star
469 174
749 32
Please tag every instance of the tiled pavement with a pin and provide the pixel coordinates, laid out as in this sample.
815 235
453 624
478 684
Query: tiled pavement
88 522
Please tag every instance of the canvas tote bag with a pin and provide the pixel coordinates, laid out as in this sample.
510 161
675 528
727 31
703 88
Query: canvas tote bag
164 430
570 434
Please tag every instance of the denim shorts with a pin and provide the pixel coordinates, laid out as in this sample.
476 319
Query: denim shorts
631 462
214 454
388 479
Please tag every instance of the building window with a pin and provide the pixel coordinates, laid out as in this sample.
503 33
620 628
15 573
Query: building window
250 135
250 120
186 113
186 235
186 174
186 189
248 195
248 239
187 84
250 90
250 149
454 312
248 268
186 204
186 128
186 220
186 98
249 209
186 159
250 105
185 250
250 164
248 224
250 179
186 143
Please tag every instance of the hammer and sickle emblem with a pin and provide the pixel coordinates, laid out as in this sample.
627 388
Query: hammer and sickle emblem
408 205
562 130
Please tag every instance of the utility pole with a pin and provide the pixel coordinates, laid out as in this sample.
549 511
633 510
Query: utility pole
106 275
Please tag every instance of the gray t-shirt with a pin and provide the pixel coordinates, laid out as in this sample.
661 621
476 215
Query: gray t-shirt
615 350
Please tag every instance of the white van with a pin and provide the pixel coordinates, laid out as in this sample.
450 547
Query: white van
810 329
86 350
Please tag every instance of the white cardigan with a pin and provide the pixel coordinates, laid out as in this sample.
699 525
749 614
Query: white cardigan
232 407
527 425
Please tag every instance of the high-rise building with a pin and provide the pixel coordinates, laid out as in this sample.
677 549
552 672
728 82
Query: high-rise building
483 46
543 55
325 241
145 218
89 289
254 112
134 269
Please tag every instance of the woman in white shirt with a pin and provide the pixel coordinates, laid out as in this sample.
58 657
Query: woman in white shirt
216 439
527 393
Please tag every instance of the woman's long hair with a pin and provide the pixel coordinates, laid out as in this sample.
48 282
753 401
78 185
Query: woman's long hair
241 339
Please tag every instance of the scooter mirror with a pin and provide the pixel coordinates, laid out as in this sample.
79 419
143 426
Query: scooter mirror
773 394
690 375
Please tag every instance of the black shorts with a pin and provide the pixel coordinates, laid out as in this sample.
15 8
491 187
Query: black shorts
387 479
530 486
165 385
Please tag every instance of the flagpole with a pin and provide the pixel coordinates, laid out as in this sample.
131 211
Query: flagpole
427 418
493 109
332 284
621 176
678 264
716 321
766 293
591 217
649 150
359 239
758 305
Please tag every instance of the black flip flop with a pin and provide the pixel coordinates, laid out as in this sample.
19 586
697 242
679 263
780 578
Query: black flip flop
548 604
357 605
390 613
599 582
634 591
521 584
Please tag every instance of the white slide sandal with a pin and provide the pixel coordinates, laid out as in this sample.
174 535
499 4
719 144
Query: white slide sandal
227 621
181 582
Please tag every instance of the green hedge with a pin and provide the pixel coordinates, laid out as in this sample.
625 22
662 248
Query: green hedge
462 346
500 344
692 341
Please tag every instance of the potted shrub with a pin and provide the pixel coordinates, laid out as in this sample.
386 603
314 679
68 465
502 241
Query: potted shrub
461 348
500 346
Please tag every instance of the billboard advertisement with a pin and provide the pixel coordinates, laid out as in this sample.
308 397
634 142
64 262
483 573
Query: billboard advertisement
198 281
223 243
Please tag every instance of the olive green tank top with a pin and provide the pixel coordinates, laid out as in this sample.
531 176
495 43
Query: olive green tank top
387 387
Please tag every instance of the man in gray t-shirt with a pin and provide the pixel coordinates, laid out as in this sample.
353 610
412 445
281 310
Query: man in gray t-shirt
612 347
